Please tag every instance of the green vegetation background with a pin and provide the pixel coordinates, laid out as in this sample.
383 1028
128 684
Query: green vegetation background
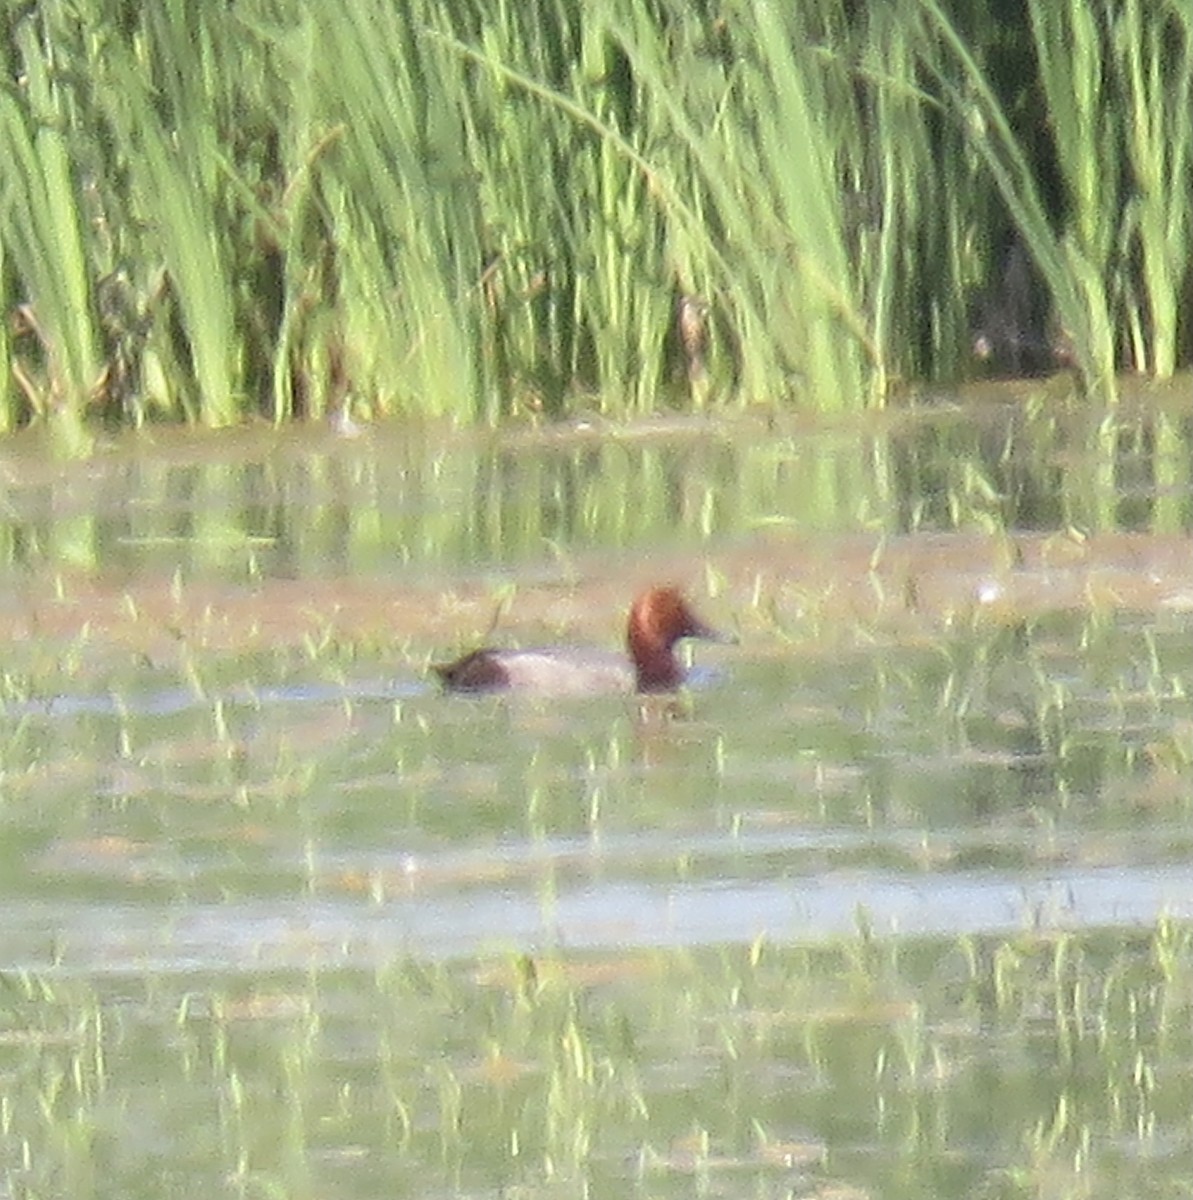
488 209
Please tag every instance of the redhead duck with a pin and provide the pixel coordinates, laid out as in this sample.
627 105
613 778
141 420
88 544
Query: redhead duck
659 618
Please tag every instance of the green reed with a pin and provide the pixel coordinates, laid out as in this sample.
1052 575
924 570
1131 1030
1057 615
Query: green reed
1152 51
43 227
1117 85
973 100
771 240
484 211
407 260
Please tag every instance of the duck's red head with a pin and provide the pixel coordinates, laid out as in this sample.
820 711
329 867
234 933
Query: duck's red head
659 618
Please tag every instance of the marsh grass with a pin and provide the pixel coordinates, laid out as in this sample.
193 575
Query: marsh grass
43 224
1154 61
1112 240
486 213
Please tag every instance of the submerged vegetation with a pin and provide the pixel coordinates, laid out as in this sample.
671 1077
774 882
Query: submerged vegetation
482 210
1004 1066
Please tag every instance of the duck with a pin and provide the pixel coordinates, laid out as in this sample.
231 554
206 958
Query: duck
659 617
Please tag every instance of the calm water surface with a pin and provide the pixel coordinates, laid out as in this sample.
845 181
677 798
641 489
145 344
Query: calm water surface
893 902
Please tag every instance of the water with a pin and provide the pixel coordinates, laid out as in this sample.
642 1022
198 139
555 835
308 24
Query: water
908 870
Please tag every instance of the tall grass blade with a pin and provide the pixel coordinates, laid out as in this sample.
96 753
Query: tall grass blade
1152 45
43 228
1074 278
